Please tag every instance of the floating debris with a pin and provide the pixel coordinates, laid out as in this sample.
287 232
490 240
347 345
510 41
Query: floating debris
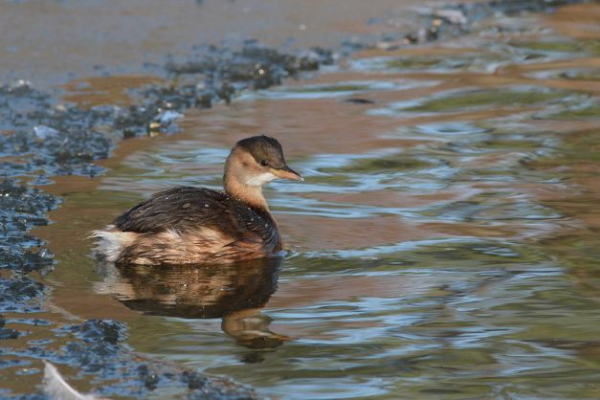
57 388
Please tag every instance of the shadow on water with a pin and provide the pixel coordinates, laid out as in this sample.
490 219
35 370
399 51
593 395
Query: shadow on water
235 293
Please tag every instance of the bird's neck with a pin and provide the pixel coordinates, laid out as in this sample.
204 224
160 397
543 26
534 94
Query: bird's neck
251 195
236 180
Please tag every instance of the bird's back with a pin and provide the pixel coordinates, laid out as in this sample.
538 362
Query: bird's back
193 225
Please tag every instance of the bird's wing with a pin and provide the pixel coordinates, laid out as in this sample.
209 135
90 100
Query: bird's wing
180 208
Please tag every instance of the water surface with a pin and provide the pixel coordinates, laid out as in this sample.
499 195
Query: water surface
444 244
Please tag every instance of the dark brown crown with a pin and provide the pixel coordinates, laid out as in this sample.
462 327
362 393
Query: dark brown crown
265 150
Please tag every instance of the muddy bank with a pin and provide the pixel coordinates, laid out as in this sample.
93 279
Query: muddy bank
54 42
45 137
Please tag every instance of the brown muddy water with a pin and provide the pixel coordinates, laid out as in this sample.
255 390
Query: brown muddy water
444 244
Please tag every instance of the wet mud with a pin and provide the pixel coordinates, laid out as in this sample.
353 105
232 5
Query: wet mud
45 136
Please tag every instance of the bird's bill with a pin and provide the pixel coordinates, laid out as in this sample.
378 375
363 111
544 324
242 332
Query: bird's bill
287 173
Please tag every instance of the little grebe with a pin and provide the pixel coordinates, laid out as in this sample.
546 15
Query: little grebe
197 225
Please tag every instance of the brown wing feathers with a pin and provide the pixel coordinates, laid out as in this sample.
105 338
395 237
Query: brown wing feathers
185 209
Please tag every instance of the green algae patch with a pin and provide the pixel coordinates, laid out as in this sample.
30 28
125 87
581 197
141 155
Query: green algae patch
499 144
578 157
412 63
420 63
592 46
482 98
592 111
550 46
589 46
394 163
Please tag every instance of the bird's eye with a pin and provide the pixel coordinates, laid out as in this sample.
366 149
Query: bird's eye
264 163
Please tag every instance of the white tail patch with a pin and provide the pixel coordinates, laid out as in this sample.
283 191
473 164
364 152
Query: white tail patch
169 246
170 236
57 388
111 242
209 237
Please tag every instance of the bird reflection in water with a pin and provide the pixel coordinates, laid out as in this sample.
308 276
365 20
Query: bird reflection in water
236 293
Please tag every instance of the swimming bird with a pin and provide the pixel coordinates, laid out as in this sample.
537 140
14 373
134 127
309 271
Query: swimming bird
186 224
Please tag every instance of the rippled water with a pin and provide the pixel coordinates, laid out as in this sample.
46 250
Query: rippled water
445 243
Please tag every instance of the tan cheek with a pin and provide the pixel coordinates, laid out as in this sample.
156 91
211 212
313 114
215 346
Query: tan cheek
252 167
